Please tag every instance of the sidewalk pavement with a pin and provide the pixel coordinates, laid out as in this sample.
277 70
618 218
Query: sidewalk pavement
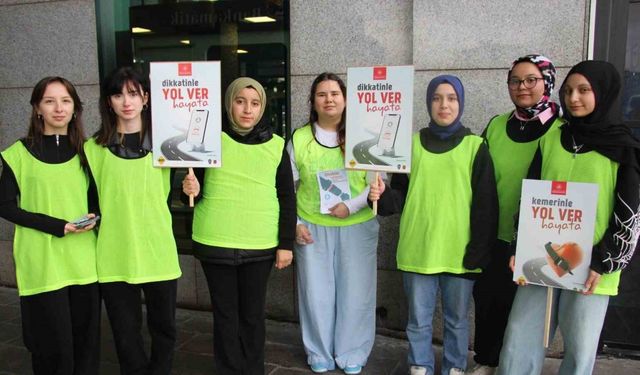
284 351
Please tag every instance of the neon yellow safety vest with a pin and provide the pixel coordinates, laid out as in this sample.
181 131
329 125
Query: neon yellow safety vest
239 206
435 223
593 167
311 157
511 162
135 241
45 262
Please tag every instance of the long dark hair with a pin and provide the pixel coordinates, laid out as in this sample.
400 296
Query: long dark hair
112 85
313 115
75 129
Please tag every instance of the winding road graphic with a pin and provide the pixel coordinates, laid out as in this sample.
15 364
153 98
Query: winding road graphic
171 151
532 271
363 156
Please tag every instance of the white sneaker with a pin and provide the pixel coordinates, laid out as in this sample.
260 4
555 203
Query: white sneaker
417 370
456 371
479 369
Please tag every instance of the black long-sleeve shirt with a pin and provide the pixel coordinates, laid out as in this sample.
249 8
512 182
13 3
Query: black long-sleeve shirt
520 132
286 200
617 246
483 219
55 149
524 131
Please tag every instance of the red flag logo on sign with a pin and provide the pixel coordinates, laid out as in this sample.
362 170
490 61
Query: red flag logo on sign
379 72
559 187
184 69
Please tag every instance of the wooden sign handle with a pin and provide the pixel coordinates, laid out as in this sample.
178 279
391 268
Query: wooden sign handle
547 318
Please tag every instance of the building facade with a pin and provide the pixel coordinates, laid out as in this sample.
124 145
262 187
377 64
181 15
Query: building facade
476 40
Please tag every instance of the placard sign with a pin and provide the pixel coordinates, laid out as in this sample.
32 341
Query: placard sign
186 114
555 233
379 118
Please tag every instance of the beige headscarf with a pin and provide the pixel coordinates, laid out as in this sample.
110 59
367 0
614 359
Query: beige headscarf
232 91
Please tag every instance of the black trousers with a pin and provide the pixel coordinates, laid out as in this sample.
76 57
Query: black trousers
238 295
493 294
61 329
124 308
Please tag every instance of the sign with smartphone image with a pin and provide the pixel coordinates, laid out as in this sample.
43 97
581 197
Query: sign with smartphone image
379 118
186 114
197 127
388 133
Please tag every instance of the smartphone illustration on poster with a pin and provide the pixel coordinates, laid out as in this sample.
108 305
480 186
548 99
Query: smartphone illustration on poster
388 133
197 127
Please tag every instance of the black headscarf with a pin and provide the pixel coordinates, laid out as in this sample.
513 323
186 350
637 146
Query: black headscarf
601 130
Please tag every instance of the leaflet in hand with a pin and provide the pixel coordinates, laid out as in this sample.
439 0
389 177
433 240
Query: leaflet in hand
334 188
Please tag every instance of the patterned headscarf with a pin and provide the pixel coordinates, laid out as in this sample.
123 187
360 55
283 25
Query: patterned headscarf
548 72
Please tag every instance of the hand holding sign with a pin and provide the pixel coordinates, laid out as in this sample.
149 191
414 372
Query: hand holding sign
376 189
190 186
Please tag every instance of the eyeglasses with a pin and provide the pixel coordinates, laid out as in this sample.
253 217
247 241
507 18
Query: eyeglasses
529 82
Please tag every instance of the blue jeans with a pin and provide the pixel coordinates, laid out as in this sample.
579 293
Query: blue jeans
579 317
421 291
336 277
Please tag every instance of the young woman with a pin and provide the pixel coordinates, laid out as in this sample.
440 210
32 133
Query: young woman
244 219
448 226
592 148
136 250
335 252
44 187
512 139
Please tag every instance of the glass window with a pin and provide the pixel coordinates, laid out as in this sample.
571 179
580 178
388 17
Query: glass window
618 34
249 38
631 92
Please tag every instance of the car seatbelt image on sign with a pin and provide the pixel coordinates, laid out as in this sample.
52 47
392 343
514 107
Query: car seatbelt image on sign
555 233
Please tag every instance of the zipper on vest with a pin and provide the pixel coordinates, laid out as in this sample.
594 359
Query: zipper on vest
58 147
